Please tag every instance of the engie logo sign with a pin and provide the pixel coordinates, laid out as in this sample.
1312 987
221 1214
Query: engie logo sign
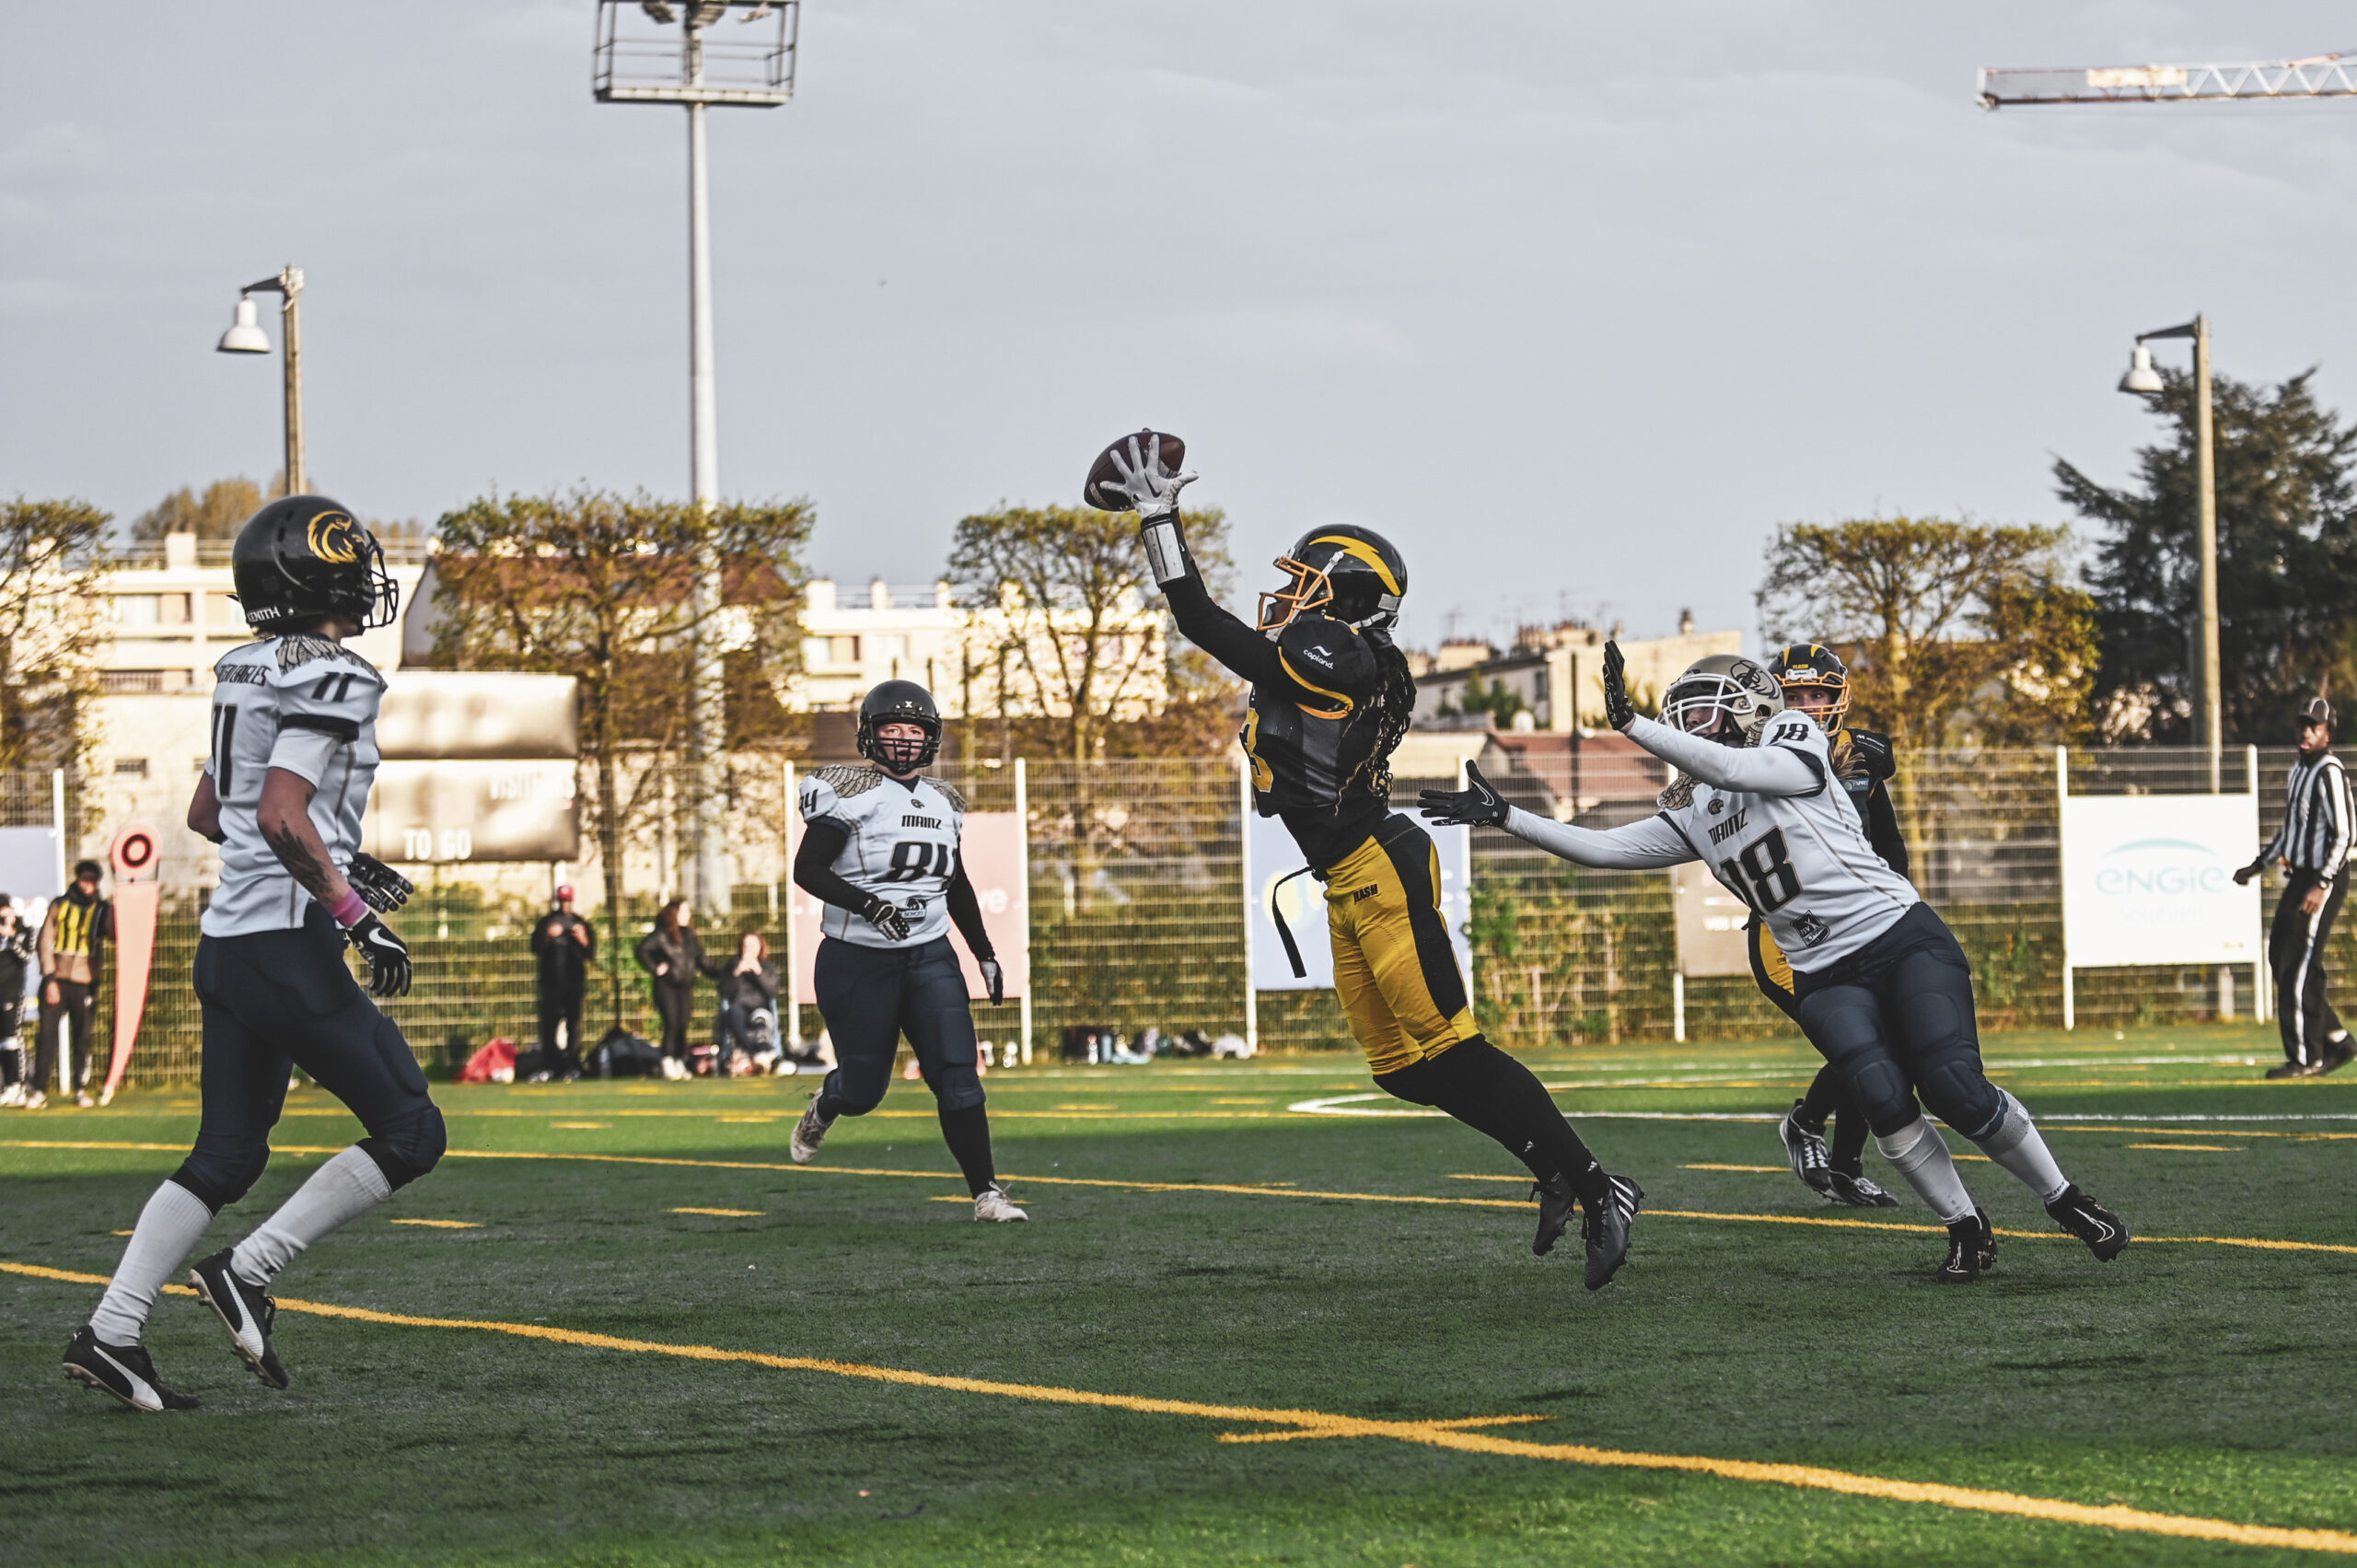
2149 880
2162 869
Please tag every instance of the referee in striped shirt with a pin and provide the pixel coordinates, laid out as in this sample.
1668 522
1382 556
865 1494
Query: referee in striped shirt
2312 845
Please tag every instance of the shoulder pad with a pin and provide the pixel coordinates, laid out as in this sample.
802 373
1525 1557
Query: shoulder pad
947 790
848 780
299 648
1678 796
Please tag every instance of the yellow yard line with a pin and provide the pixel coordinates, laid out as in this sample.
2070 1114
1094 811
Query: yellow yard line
1231 1189
1451 1434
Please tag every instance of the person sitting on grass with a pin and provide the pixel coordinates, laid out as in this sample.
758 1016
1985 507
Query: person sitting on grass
747 1021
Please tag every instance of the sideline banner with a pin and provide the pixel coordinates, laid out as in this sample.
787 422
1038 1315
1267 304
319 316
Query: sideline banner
137 898
2149 880
992 846
1271 856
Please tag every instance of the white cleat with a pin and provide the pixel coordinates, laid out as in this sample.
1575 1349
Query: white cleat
13 1095
809 1132
993 1204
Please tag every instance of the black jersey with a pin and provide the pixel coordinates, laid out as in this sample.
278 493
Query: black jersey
1865 762
1328 706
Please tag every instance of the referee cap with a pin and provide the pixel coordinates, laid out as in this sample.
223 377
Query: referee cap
2315 709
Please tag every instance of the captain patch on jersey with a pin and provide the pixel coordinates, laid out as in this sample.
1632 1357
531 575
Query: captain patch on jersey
902 848
308 706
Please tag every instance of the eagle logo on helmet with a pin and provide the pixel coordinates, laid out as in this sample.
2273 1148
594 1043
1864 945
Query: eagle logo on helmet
329 536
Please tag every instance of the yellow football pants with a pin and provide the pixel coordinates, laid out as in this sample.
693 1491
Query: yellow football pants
1773 970
1394 968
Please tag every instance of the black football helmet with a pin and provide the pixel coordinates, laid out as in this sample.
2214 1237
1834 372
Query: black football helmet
1813 667
305 556
898 701
1350 572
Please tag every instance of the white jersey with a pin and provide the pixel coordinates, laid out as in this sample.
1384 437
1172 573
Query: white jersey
903 848
307 704
1796 851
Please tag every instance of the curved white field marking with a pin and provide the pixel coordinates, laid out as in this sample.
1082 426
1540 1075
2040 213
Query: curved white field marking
1348 1105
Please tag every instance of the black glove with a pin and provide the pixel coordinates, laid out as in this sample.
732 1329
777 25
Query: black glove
885 916
1617 709
1477 805
1873 754
995 977
380 887
387 955
2247 871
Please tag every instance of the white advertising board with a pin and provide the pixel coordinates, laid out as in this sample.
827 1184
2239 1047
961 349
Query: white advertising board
2149 880
1271 856
1709 924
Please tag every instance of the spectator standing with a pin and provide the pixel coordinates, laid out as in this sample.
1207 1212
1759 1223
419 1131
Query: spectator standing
748 989
2313 846
72 934
15 962
673 954
563 945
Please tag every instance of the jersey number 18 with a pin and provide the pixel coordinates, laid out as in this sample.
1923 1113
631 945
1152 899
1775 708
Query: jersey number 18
1763 873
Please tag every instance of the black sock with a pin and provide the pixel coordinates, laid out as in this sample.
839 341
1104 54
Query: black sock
967 1134
1492 1093
1847 1151
1827 1094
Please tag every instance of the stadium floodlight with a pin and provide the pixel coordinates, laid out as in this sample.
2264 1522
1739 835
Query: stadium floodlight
681 63
2144 381
245 336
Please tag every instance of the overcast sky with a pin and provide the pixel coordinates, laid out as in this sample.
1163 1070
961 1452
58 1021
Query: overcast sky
1575 302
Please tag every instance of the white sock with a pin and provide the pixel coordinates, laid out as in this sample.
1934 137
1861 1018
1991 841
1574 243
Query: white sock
345 1188
1921 1156
169 1228
2020 1147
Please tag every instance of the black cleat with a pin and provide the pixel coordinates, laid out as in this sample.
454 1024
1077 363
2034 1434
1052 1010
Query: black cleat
1605 1229
245 1311
2089 1221
1804 1148
2337 1054
1556 1202
1972 1249
2297 1070
125 1371
1857 1191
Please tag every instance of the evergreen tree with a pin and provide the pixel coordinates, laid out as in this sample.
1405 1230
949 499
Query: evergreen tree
2287 565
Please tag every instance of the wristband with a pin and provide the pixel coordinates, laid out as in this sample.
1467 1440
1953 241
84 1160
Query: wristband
352 910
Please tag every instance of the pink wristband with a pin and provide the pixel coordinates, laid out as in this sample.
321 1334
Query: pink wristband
352 910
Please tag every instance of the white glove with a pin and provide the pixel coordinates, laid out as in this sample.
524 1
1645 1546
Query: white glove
1152 488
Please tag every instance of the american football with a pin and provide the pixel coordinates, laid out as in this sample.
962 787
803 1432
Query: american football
1131 449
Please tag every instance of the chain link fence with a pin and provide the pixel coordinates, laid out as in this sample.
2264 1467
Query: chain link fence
1137 914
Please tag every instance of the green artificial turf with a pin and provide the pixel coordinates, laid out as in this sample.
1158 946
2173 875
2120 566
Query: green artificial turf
2187 1379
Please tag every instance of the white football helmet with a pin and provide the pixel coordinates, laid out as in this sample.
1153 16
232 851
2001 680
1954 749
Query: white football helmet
1723 697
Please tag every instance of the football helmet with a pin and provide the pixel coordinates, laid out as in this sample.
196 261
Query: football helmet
1723 697
1350 572
898 701
305 556
1813 667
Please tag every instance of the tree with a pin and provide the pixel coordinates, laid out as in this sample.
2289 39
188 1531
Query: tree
598 587
1962 632
1062 594
51 553
2287 563
219 512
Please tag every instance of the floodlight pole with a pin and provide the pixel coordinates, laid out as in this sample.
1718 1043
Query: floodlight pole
289 286
707 712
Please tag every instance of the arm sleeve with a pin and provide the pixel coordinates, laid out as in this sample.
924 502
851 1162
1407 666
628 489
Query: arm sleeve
2334 787
1882 828
321 706
966 913
1243 650
1638 846
1783 764
814 866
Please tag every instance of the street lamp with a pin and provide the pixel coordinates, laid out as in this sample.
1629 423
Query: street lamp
2144 381
245 336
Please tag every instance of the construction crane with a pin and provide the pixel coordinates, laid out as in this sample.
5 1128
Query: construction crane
2317 76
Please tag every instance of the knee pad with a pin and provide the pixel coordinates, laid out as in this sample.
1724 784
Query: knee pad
836 1090
957 1086
1955 1091
221 1174
410 1149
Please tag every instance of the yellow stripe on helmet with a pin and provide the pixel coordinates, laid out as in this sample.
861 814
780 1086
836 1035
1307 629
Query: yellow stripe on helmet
1365 552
